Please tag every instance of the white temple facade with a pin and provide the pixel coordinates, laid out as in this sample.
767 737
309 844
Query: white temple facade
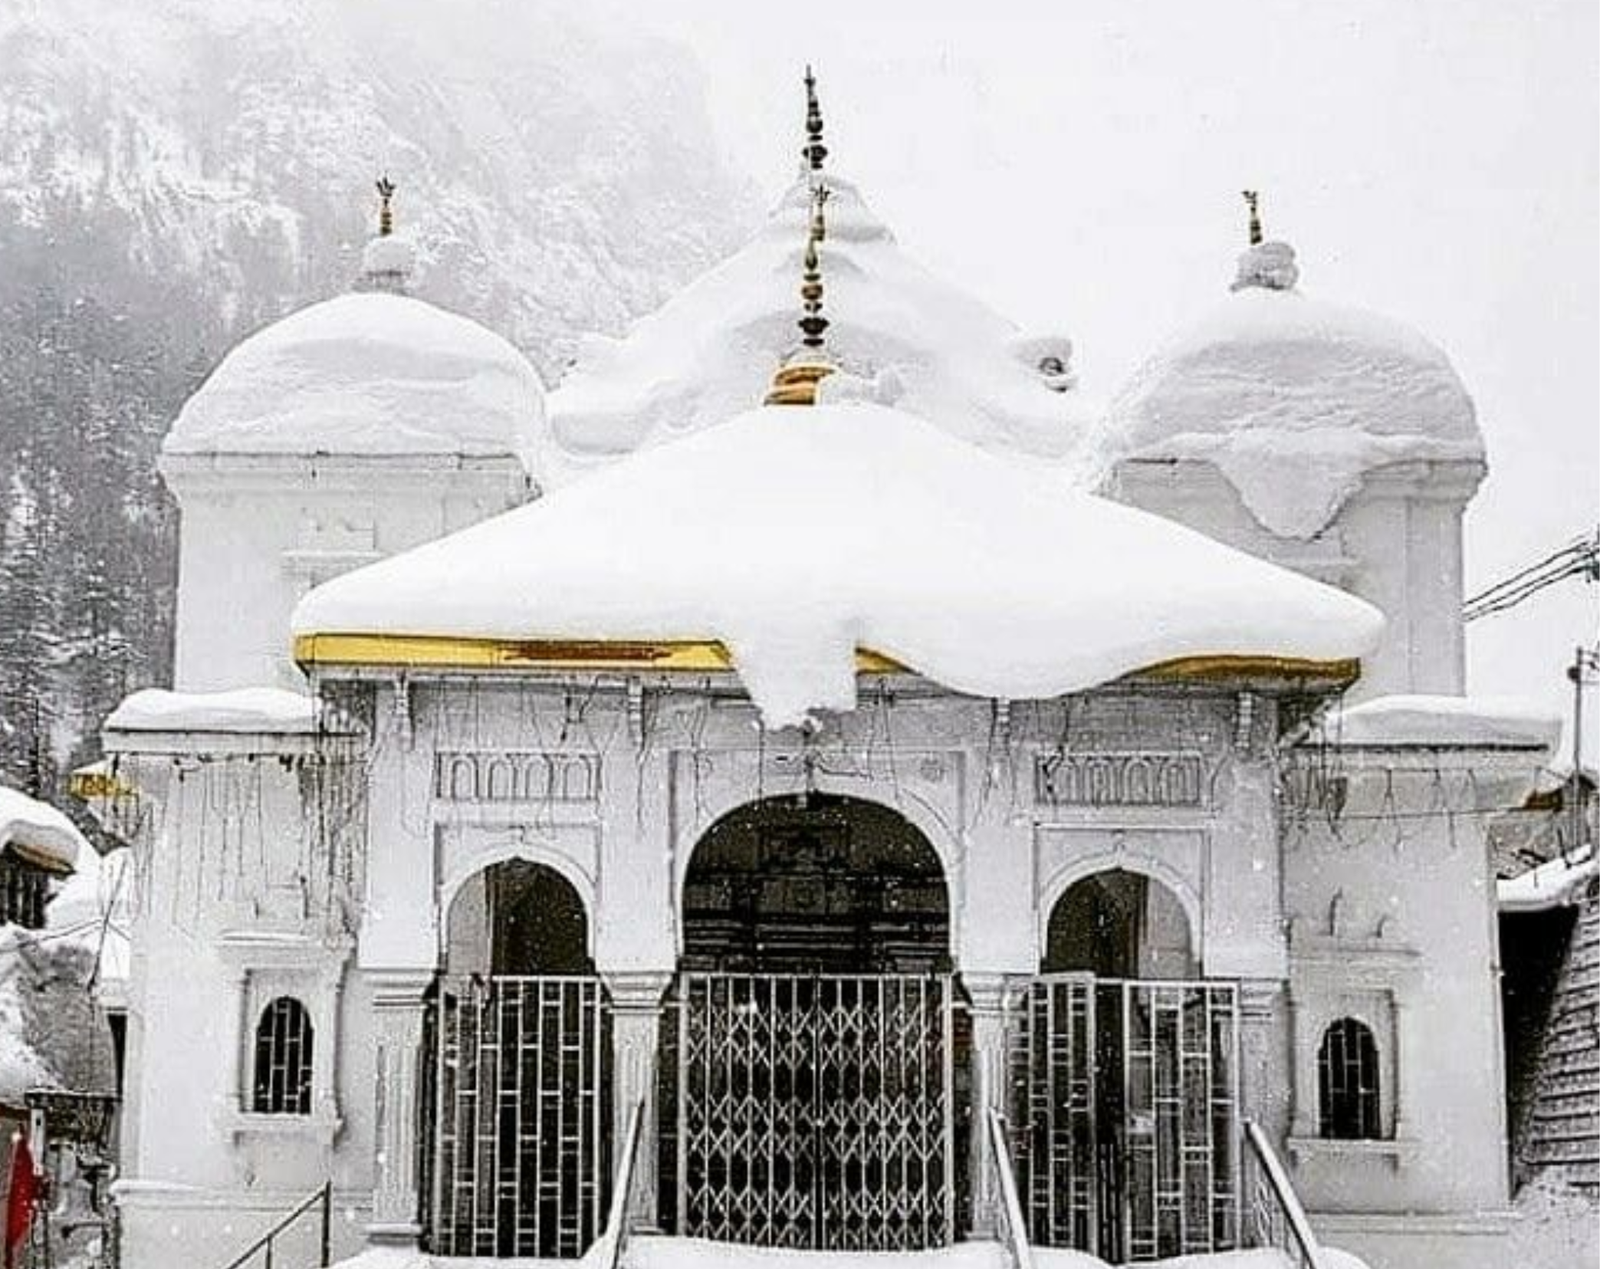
645 814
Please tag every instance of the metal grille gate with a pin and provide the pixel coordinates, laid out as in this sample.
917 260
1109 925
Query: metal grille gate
814 1111
519 1101
1131 1102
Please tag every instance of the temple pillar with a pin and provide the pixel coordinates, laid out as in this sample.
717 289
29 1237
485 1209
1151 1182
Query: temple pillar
398 1008
994 999
1264 1060
636 1003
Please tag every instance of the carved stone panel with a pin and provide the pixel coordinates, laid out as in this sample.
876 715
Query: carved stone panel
1139 778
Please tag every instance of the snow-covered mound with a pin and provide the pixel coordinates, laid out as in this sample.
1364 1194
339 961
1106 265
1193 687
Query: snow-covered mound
917 342
367 373
254 710
1423 721
797 535
39 832
1293 398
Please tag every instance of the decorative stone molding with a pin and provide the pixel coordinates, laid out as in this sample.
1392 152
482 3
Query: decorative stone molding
516 776
1134 778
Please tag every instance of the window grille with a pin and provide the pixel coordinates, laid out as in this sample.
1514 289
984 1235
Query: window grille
1347 1078
283 1059
23 891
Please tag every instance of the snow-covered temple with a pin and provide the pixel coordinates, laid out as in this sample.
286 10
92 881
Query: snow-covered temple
921 807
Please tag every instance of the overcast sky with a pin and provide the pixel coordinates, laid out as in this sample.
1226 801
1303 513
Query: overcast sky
1078 165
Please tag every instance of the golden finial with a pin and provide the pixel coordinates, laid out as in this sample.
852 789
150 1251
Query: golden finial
1252 200
796 380
385 207
813 150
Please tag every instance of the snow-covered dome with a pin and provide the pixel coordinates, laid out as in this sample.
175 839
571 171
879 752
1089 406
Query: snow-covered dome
369 373
794 537
896 333
39 832
1294 398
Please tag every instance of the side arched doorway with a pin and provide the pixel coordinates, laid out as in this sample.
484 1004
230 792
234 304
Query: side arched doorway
517 1094
1130 1074
811 1093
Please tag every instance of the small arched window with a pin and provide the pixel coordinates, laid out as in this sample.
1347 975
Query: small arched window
1347 1078
282 1084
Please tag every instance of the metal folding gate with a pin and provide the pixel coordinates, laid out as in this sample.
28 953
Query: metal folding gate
518 1100
814 1111
1130 1100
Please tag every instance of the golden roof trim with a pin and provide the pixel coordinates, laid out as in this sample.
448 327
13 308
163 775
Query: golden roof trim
703 655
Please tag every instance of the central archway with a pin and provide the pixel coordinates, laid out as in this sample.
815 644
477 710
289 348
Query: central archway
817 883
810 1077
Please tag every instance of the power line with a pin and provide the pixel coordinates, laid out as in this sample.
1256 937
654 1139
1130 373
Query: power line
1580 557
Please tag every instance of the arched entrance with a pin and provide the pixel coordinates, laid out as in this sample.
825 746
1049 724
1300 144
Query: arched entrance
811 1098
1131 1079
517 1097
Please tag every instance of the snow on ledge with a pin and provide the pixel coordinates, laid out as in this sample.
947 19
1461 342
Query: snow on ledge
795 536
246 710
1420 721
1557 883
38 831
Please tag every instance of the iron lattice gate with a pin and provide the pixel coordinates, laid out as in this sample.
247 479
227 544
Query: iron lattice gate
518 1102
814 1111
1131 1105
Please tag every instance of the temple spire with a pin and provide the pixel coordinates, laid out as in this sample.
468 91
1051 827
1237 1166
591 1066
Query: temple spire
813 151
1263 265
1252 200
387 260
796 381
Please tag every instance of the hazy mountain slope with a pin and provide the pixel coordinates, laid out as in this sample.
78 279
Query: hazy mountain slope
175 173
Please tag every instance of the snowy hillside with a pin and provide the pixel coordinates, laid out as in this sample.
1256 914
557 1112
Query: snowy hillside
556 169
174 174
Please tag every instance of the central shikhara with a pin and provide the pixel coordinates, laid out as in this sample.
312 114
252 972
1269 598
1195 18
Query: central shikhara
924 807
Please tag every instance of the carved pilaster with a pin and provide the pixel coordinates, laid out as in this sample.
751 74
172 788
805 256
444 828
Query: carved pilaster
398 1008
996 1007
636 1041
1262 1079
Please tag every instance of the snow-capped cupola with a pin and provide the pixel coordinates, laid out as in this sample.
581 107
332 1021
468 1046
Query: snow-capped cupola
897 335
1294 399
794 546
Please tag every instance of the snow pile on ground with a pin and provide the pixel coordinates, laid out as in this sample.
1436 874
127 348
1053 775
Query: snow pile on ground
367 373
251 710
797 535
1557 1228
1559 883
917 343
39 832
1492 722
52 1034
1294 400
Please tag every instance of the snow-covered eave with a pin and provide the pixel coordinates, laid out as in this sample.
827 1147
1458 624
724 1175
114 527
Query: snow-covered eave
193 472
46 859
1557 883
334 652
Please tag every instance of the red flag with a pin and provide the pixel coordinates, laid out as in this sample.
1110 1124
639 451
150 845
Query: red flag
20 1200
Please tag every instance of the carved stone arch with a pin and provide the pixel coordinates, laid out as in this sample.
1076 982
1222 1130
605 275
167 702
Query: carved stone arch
506 848
1158 871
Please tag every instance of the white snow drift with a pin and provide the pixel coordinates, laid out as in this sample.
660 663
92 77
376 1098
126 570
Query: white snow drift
900 336
1426 721
369 374
253 710
1294 399
797 535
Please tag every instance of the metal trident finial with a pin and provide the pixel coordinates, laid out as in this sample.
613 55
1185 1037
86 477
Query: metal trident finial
1252 200
385 207
813 151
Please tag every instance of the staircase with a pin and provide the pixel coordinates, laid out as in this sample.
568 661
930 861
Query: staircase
1562 1138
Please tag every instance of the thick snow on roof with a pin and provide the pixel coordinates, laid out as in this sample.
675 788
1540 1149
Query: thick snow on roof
252 710
925 347
1294 398
37 830
1557 883
1421 721
796 535
368 373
